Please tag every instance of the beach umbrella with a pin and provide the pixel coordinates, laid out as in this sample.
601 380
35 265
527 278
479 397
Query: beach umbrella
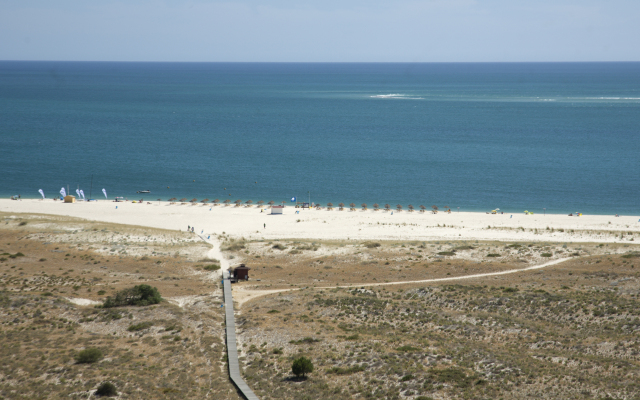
159 201
399 207
171 200
238 202
271 203
260 203
329 206
227 201
435 208
183 200
193 201
318 206
341 205
283 202
410 207
352 206
216 201
364 206
248 203
387 207
376 206
205 201
422 208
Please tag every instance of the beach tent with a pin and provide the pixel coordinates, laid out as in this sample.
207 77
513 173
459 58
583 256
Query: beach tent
69 199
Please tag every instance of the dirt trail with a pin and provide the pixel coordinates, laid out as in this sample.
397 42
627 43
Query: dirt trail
242 295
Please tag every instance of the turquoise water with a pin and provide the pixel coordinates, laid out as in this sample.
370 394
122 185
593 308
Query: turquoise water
560 136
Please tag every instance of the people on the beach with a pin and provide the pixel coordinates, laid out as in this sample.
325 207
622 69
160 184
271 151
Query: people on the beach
265 226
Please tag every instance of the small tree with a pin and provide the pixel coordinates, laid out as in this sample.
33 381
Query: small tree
140 295
89 356
301 367
106 389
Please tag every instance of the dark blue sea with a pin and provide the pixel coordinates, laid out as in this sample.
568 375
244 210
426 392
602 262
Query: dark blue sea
560 136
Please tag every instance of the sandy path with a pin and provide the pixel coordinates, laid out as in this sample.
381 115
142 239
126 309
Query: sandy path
242 295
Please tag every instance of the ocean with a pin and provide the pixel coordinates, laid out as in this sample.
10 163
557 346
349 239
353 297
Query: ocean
543 137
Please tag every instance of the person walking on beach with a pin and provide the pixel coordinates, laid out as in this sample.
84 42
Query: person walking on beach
265 226
188 228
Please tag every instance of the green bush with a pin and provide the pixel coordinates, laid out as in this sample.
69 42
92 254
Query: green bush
307 340
140 326
141 295
89 356
107 389
372 245
301 367
407 349
212 267
447 253
493 255
546 254
279 246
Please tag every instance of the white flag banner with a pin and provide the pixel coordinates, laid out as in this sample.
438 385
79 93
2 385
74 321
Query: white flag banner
105 193
41 193
78 192
82 194
63 192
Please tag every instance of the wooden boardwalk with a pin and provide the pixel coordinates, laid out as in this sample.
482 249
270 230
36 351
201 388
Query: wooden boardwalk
232 349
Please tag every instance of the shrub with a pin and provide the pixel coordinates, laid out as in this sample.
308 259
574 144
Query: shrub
273 312
107 389
16 255
407 349
372 245
212 267
346 371
510 290
88 356
307 340
446 253
140 326
546 254
141 295
493 255
301 367
279 246
23 223
277 351
101 292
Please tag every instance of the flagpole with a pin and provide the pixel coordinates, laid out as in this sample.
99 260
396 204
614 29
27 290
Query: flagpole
91 187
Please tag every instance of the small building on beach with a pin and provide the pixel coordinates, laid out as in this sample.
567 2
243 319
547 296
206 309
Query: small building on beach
240 273
277 210
69 199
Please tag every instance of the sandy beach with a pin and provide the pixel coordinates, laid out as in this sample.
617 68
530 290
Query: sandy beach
251 223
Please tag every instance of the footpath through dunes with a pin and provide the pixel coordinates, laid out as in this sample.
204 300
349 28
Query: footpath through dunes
244 295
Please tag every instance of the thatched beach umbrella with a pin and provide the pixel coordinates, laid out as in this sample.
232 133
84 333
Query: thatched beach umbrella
318 206
422 208
159 200
260 203
193 201
329 206
238 202
271 203
435 209
283 202
387 207
215 202
410 207
341 205
183 200
352 207
172 200
399 207
248 203
205 201
364 206
226 202
376 206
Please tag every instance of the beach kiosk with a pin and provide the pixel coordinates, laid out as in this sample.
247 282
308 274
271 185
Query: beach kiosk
240 273
69 199
277 210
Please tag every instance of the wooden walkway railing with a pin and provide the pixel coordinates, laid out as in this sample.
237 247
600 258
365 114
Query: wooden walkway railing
232 349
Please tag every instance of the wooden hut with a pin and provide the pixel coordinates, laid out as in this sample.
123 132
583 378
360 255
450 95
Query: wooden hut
69 199
240 273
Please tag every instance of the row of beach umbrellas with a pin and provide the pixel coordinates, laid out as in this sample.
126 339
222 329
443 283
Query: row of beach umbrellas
329 206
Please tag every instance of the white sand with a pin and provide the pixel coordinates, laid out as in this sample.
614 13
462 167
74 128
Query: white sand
341 225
